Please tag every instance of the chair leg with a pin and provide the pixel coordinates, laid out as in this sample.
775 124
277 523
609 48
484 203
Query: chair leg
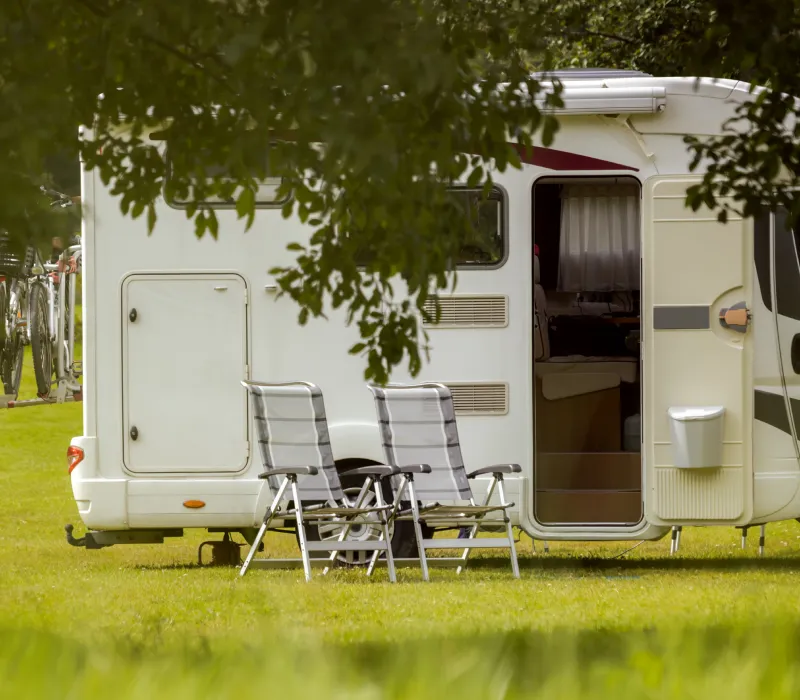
263 529
386 538
301 531
254 548
474 529
349 524
512 547
395 505
423 562
509 531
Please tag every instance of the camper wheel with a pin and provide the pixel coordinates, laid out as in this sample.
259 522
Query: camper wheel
404 543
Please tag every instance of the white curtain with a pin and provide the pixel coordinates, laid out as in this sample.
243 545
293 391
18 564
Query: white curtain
600 242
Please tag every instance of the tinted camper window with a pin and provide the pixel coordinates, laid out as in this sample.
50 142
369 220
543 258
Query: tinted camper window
257 162
486 246
787 269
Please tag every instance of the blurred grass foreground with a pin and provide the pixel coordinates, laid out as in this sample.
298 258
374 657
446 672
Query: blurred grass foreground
723 662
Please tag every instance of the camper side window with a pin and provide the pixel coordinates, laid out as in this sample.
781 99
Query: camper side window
485 246
787 267
257 162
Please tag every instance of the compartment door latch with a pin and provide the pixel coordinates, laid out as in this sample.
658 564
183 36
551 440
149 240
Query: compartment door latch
736 318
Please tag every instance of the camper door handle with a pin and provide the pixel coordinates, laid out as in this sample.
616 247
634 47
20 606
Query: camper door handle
795 354
134 433
132 315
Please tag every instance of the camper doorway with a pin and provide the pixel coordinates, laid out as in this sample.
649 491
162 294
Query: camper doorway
587 366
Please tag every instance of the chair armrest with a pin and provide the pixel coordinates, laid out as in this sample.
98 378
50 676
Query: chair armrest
496 469
288 471
415 469
379 470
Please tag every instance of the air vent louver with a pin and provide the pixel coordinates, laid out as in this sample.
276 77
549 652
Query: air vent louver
479 399
473 311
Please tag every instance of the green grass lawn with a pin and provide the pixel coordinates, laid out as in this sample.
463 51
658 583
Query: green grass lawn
146 621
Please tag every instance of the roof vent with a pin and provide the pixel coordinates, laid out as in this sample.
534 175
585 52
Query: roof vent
589 74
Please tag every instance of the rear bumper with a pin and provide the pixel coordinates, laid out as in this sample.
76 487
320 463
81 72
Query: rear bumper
101 501
123 503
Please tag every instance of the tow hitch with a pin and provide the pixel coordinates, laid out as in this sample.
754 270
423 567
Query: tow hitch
98 539
86 541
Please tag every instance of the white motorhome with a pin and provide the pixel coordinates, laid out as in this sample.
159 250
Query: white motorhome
641 361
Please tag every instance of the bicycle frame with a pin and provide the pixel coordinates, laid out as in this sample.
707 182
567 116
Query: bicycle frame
65 371
61 334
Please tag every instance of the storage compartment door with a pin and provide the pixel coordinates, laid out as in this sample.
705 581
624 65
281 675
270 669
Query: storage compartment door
184 356
697 274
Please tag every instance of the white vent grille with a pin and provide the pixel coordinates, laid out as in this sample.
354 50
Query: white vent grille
699 494
473 311
479 399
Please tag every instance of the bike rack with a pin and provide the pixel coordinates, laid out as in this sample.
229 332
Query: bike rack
7 401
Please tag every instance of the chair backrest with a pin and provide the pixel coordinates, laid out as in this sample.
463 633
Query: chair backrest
292 431
418 426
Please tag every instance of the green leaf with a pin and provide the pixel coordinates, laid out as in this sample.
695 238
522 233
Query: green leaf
475 177
309 66
245 203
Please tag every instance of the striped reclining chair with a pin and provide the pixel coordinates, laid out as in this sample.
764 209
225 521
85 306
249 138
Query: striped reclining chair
420 440
296 452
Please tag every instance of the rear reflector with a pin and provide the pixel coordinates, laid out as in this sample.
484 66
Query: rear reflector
74 457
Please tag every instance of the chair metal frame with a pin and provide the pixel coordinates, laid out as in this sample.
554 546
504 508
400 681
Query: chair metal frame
346 513
452 515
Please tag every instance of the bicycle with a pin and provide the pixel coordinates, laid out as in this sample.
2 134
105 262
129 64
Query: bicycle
52 319
14 288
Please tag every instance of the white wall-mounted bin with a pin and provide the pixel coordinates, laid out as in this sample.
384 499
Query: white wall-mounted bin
696 436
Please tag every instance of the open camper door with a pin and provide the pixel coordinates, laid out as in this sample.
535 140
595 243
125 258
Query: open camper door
697 361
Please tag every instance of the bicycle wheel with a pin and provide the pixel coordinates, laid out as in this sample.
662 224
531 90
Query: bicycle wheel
41 347
11 369
3 313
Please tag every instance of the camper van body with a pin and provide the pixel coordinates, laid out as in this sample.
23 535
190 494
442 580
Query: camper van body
172 323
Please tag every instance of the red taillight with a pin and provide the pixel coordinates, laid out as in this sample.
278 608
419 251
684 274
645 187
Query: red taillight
74 457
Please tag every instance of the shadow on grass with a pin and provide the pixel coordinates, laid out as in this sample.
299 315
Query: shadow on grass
550 563
557 563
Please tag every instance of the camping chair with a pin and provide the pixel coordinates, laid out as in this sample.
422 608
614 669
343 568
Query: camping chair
296 453
420 439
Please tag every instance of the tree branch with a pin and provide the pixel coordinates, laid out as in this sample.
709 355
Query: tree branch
604 35
191 60
164 46
94 9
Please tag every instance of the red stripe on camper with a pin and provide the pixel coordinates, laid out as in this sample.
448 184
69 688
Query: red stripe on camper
550 158
554 159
